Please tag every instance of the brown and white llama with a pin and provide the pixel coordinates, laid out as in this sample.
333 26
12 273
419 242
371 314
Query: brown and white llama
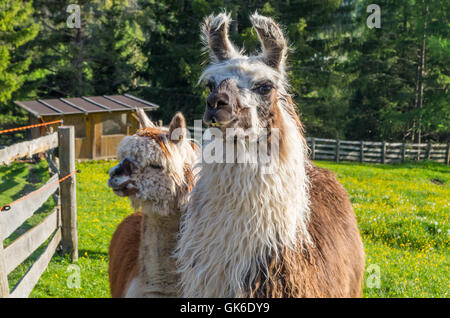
155 172
249 233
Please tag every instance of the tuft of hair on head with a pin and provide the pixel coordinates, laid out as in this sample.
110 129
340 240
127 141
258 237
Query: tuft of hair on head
273 42
215 37
177 128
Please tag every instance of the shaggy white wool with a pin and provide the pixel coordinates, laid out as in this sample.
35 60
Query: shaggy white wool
246 70
237 216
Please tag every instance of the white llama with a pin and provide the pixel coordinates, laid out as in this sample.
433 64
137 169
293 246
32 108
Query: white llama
155 172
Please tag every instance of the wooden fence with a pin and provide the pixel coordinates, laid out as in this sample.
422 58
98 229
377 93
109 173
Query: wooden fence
376 152
60 225
369 151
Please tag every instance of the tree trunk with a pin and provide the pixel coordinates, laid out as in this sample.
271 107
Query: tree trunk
235 23
421 75
79 60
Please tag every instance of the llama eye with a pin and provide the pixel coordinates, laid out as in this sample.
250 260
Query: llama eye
155 166
263 89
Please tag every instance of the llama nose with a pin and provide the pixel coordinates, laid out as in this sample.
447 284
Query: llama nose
217 100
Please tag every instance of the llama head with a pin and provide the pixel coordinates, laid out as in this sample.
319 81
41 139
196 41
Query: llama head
247 93
155 168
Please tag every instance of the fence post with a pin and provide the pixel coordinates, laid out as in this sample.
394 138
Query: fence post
361 151
403 151
4 287
313 148
338 144
447 154
429 151
68 198
418 151
383 152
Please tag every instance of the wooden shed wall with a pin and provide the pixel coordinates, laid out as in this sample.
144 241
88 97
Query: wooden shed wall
90 142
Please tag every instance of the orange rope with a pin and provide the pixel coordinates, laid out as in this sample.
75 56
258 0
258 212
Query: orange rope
30 126
8 206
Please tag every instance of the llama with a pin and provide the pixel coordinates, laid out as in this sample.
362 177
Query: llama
248 233
155 172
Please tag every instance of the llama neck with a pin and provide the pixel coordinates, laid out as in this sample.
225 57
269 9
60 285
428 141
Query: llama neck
239 216
157 274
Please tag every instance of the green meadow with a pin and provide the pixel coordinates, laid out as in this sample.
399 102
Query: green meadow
402 211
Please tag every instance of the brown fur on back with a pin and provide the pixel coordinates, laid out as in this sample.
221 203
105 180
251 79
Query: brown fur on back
124 254
334 265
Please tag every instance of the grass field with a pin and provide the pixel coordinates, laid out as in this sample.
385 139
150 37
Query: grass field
402 212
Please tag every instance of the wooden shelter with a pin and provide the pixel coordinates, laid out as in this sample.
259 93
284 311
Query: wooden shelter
100 121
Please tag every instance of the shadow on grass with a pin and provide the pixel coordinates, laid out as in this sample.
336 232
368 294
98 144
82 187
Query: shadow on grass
36 176
91 254
10 175
32 176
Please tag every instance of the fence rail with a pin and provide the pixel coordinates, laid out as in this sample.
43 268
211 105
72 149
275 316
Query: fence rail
21 248
26 284
28 148
21 211
59 226
368 151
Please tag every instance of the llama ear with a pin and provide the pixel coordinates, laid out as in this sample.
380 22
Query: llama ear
215 37
144 121
272 39
177 128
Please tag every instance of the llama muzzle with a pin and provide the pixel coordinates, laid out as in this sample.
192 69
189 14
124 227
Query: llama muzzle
120 180
220 105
